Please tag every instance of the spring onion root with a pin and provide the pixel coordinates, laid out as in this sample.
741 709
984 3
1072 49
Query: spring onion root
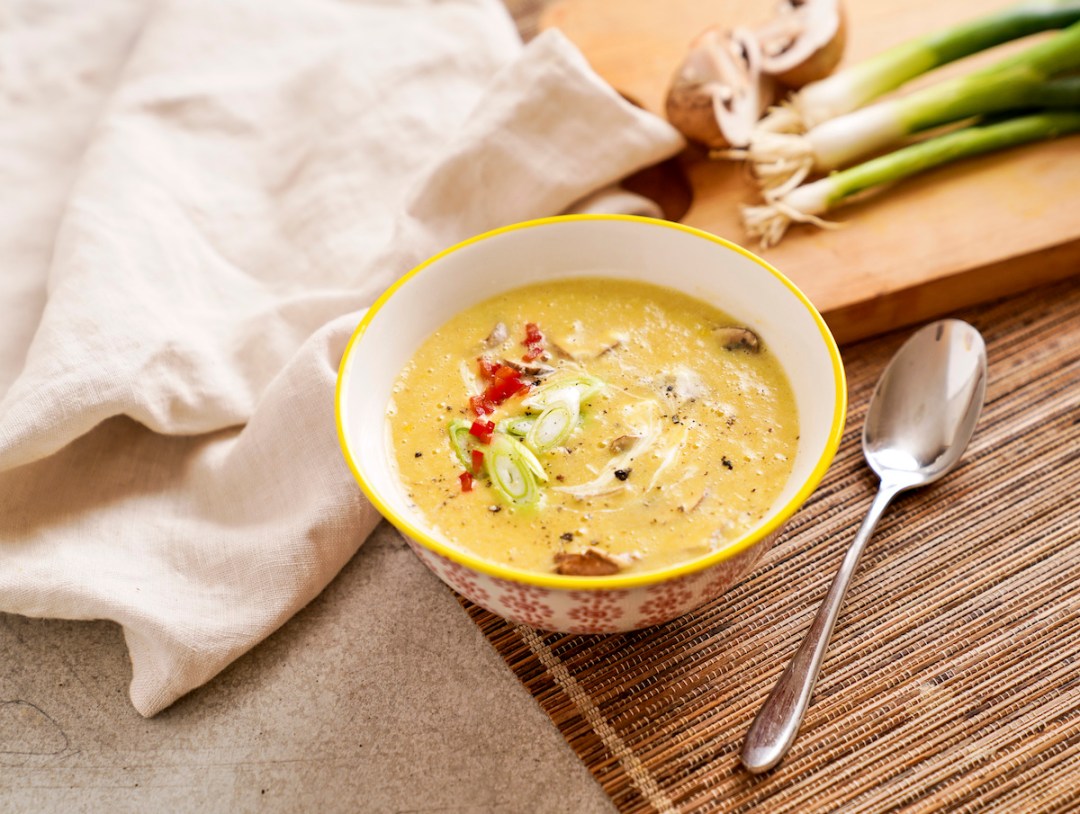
806 204
853 87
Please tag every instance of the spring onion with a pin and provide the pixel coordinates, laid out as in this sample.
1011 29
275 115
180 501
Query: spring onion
807 203
781 161
519 426
853 87
460 440
580 387
514 471
554 424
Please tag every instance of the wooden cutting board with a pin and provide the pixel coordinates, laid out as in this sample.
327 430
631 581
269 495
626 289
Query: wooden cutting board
982 229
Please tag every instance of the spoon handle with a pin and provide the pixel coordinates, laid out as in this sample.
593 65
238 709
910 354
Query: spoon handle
777 722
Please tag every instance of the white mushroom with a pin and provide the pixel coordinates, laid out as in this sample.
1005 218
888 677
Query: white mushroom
803 42
720 91
736 338
592 562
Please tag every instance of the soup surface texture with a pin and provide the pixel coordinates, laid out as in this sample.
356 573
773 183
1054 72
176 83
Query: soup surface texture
592 426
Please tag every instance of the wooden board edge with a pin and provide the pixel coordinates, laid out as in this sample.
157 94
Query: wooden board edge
910 306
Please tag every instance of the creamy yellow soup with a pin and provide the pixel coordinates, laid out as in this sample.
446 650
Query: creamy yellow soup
649 428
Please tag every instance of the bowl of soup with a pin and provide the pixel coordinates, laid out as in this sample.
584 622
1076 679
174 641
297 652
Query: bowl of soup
591 423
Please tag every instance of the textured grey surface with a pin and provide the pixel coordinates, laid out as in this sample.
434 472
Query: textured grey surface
381 695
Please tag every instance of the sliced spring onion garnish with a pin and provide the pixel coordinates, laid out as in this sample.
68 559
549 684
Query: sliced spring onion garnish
563 389
460 440
519 426
554 424
514 471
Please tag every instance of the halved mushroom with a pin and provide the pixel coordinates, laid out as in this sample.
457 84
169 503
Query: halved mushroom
803 42
720 91
537 370
623 443
592 562
735 338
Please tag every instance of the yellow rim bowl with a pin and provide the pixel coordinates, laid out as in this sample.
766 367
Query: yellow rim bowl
619 246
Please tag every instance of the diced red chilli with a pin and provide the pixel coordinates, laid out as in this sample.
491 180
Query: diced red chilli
483 430
480 405
477 460
488 368
500 391
534 342
504 382
466 481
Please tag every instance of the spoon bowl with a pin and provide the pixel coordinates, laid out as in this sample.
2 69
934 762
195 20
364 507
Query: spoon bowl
920 420
925 406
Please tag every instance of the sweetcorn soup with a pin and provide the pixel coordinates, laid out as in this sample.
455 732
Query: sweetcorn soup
592 427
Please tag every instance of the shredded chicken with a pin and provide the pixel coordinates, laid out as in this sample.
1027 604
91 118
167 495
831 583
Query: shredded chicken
623 443
534 369
498 335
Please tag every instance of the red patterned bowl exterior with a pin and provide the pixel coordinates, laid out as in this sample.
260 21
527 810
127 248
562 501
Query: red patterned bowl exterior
599 610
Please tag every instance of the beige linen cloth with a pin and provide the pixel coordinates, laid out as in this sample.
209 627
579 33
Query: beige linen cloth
199 198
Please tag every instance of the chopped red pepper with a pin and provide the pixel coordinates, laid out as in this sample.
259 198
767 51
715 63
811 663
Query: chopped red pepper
483 430
477 460
466 481
504 372
480 405
534 342
488 367
502 389
504 382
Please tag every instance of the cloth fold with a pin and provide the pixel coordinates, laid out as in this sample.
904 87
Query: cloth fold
254 174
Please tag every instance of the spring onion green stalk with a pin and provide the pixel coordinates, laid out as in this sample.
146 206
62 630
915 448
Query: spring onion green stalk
514 471
853 87
807 203
781 161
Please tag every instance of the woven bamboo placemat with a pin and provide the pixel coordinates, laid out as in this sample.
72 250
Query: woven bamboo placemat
951 683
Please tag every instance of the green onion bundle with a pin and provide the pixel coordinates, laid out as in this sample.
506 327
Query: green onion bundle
782 160
853 87
806 204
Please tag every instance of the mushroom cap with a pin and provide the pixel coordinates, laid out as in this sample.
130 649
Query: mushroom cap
719 90
803 42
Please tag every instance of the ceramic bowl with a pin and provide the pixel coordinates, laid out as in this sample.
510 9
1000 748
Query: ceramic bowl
621 247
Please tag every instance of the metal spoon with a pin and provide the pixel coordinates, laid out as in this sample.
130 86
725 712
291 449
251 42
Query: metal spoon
919 422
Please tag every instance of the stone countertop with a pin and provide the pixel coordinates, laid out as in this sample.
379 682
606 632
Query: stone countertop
379 696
